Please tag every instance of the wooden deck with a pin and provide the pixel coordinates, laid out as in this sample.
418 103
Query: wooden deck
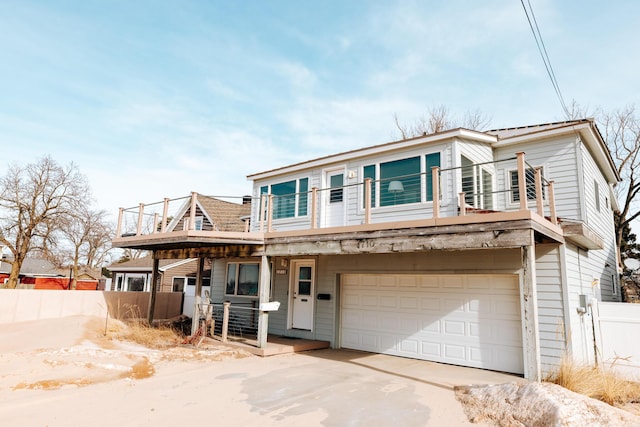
275 345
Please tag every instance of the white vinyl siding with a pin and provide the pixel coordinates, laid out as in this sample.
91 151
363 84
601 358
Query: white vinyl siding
563 170
551 312
601 263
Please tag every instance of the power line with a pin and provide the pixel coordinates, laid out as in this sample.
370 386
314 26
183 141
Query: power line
545 56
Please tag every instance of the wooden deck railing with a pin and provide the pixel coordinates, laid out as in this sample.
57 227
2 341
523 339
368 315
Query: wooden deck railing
368 204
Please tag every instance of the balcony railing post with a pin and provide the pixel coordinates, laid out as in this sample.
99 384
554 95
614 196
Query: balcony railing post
314 207
552 204
119 226
155 222
225 320
192 212
270 213
165 213
463 204
367 200
140 215
264 199
539 200
435 190
522 181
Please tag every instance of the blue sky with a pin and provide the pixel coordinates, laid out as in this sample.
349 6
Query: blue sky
154 99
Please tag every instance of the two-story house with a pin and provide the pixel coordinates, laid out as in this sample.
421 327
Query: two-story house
481 249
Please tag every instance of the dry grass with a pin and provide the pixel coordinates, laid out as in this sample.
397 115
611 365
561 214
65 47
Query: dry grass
159 337
600 383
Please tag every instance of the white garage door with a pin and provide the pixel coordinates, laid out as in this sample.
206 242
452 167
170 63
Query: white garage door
469 320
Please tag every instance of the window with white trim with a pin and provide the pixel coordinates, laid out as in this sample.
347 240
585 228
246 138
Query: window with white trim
179 283
399 182
198 220
243 279
290 198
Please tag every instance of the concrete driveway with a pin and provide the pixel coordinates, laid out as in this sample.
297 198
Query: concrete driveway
62 381
350 388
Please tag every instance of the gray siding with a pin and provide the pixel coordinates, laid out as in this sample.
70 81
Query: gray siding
551 320
601 263
559 161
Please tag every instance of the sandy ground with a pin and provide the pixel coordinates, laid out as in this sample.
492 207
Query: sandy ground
66 373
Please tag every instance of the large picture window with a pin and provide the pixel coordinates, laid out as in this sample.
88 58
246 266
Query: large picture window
400 181
290 198
242 279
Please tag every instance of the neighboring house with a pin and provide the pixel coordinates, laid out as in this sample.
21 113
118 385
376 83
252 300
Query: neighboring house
481 249
31 268
37 273
176 275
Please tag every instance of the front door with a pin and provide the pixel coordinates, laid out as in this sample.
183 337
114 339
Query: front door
334 199
302 291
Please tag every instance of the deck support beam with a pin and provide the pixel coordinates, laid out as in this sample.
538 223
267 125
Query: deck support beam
264 293
155 278
529 312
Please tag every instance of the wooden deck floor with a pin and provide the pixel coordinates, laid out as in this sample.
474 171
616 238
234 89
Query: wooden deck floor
275 345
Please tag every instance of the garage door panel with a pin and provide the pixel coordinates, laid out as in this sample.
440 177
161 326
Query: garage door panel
471 321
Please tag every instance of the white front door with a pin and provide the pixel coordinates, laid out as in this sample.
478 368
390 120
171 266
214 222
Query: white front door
302 291
334 199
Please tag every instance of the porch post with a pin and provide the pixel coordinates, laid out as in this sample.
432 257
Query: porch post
140 214
522 181
552 204
529 310
196 310
367 200
265 291
165 213
155 276
538 181
435 190
270 213
119 227
314 207
192 211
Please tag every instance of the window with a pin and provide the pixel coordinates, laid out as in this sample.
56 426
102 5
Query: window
179 283
242 279
400 181
119 282
336 192
531 185
487 190
596 189
198 223
135 284
431 160
290 198
467 171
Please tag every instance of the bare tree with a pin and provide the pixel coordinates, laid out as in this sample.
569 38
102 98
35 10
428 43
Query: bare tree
621 130
35 201
89 237
440 119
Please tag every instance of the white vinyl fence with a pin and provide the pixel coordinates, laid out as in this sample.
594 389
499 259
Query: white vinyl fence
620 330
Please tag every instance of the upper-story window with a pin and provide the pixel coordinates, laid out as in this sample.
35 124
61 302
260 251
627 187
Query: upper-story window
477 184
290 198
596 189
530 175
400 181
